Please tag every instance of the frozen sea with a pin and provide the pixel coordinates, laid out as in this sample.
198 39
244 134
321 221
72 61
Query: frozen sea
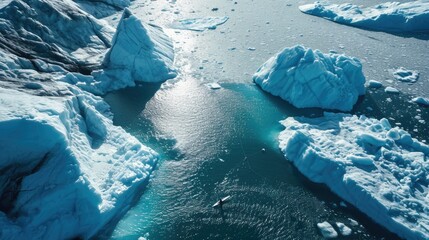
211 140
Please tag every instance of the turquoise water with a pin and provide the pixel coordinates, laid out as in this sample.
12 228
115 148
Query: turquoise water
211 140
211 143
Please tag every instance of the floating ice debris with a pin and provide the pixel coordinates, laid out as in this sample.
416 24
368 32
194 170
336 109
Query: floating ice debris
353 222
251 48
327 230
214 85
421 100
310 78
391 90
374 84
390 16
343 204
391 190
344 230
199 24
404 75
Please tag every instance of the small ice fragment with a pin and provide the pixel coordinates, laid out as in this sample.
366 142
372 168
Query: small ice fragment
353 222
375 84
343 204
220 159
263 150
251 48
344 230
421 100
391 90
327 230
214 85
405 75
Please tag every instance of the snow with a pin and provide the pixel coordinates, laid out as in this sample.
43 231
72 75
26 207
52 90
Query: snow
35 29
404 75
344 230
391 184
374 84
139 53
310 78
421 100
327 230
391 90
199 24
67 171
390 16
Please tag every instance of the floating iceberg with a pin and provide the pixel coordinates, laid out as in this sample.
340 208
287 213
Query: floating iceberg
139 53
308 78
421 100
374 84
55 31
404 75
391 90
379 169
389 17
199 24
327 230
67 171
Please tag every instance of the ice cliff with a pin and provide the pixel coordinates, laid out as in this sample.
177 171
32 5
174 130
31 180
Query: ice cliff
410 16
310 78
378 168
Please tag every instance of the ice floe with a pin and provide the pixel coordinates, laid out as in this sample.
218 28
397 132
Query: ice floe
391 90
344 230
199 24
327 230
310 78
374 84
421 100
378 168
67 171
405 75
410 16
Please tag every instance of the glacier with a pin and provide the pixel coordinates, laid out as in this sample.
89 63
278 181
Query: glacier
310 78
396 17
67 171
379 169
55 31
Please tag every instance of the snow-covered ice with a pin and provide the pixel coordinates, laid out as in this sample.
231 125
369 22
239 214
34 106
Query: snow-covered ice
327 230
374 84
405 75
310 78
410 16
391 90
55 31
344 230
139 53
421 100
199 24
378 168
67 171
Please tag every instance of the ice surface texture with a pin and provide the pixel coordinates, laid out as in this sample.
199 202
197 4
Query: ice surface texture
308 78
139 53
379 169
389 17
66 170
56 31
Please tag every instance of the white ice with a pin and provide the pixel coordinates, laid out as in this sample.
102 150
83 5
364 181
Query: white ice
405 75
410 16
199 24
327 230
379 169
391 90
374 84
310 78
421 100
344 230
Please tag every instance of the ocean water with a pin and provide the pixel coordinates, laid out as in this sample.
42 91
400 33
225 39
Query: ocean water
211 141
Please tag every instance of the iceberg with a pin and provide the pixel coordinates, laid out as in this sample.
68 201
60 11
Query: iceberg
55 31
139 53
327 230
379 169
421 100
102 8
199 24
405 75
67 171
410 16
310 78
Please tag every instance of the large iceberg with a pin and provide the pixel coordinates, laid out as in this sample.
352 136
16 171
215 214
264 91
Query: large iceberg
308 78
67 171
379 169
410 16
102 8
139 53
56 31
